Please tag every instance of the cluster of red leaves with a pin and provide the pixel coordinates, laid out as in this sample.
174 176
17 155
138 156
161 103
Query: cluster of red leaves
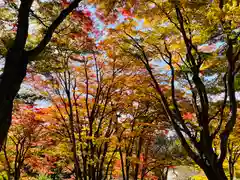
27 122
21 116
100 15
188 116
113 16
84 17
97 33
125 12
78 35
109 19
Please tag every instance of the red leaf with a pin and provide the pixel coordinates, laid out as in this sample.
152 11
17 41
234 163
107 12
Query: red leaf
166 131
125 12
113 18
77 15
88 26
87 13
188 116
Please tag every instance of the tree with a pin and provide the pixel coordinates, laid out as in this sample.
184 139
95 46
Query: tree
26 137
177 42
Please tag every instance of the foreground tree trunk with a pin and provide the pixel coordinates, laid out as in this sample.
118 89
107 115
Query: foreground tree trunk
17 60
17 173
14 70
11 80
215 172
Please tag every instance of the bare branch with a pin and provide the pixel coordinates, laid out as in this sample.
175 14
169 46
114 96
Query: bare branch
222 108
38 18
233 103
23 24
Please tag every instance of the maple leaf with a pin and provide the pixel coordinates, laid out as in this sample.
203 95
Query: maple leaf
88 26
188 116
87 13
125 12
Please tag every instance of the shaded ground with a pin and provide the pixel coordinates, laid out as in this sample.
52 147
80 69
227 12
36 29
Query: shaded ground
182 173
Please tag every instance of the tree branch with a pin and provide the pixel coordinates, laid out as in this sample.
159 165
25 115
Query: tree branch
23 24
52 28
233 103
222 108
38 18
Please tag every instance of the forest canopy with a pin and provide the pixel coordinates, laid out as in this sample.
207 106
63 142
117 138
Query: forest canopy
106 89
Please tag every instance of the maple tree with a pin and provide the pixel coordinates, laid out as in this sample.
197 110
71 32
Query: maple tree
26 136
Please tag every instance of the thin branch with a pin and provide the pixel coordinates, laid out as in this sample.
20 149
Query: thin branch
222 108
38 18
233 103
23 24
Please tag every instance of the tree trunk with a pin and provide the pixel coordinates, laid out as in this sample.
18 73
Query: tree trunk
10 82
145 158
231 171
140 142
17 174
216 172
122 164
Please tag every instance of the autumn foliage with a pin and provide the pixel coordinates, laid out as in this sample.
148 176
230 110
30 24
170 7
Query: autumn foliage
129 89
